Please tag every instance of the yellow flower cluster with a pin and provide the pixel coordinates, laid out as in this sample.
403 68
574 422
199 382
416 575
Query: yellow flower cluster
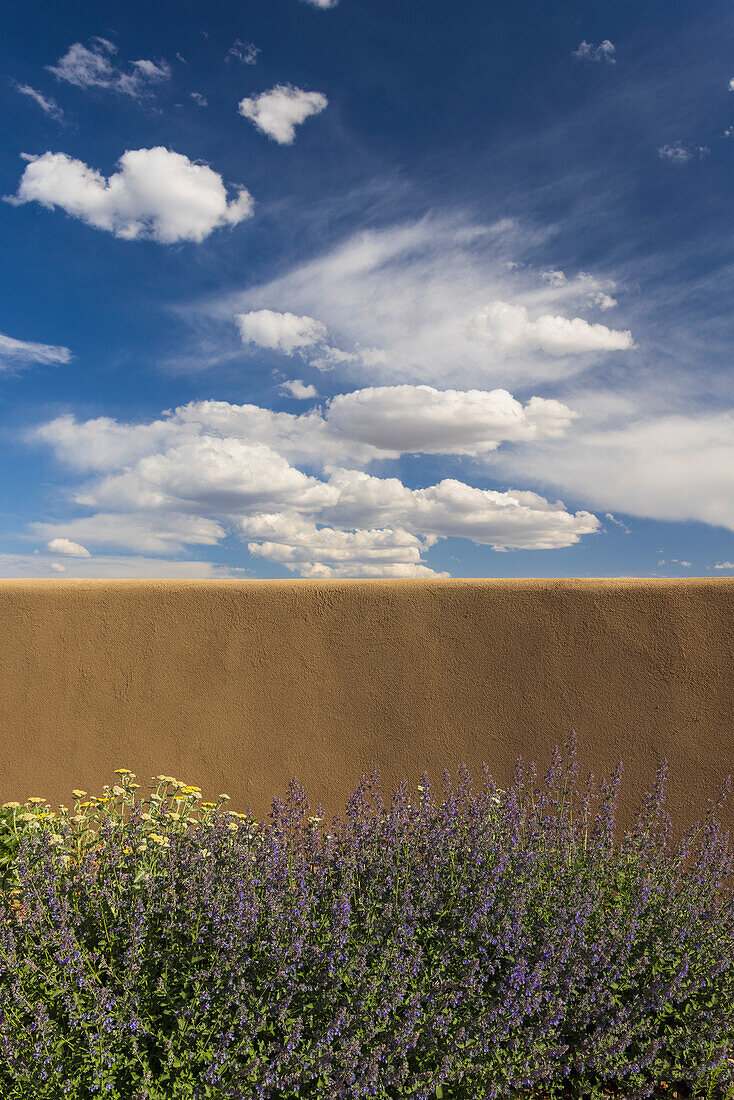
172 807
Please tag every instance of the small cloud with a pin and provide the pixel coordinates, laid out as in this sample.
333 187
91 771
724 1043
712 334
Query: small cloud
618 522
284 332
724 565
296 388
278 111
603 52
68 548
322 3
199 99
15 352
244 52
49 106
554 278
731 85
92 67
57 567
181 58
679 153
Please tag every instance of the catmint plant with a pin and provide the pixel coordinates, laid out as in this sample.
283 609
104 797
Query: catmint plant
489 943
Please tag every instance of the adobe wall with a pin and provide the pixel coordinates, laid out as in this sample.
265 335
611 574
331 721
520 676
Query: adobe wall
240 685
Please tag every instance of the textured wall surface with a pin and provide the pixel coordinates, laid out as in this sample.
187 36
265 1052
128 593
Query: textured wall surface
241 685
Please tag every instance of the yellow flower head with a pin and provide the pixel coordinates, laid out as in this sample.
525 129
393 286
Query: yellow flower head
79 794
208 805
118 791
157 838
82 804
189 788
123 771
26 817
224 798
11 805
232 825
175 817
37 801
141 847
55 838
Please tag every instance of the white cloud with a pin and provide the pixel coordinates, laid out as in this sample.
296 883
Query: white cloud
603 52
298 389
299 545
208 468
199 99
278 111
731 84
92 67
112 567
210 474
280 331
16 352
412 419
49 106
67 548
510 328
671 468
401 305
679 153
618 522
244 52
156 194
322 3
724 564
143 532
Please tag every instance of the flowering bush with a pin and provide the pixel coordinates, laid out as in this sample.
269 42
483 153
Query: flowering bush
497 944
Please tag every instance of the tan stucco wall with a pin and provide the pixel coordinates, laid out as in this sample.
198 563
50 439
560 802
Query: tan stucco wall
240 685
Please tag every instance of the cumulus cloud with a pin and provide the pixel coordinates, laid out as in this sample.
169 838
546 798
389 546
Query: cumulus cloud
277 112
724 564
511 329
212 467
199 99
92 67
156 194
603 52
421 419
67 548
322 3
298 389
49 106
19 352
414 303
301 546
680 153
280 331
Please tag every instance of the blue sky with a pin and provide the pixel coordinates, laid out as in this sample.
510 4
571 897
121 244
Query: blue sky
295 288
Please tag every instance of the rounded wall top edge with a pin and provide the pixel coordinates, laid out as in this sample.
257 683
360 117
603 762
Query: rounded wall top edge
363 582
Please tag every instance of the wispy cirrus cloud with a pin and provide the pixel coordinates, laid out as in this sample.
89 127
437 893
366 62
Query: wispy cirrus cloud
92 66
605 51
15 353
434 302
48 105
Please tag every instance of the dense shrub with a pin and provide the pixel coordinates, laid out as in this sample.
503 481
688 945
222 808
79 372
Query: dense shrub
498 944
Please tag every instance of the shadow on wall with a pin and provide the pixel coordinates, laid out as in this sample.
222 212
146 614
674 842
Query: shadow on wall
238 686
